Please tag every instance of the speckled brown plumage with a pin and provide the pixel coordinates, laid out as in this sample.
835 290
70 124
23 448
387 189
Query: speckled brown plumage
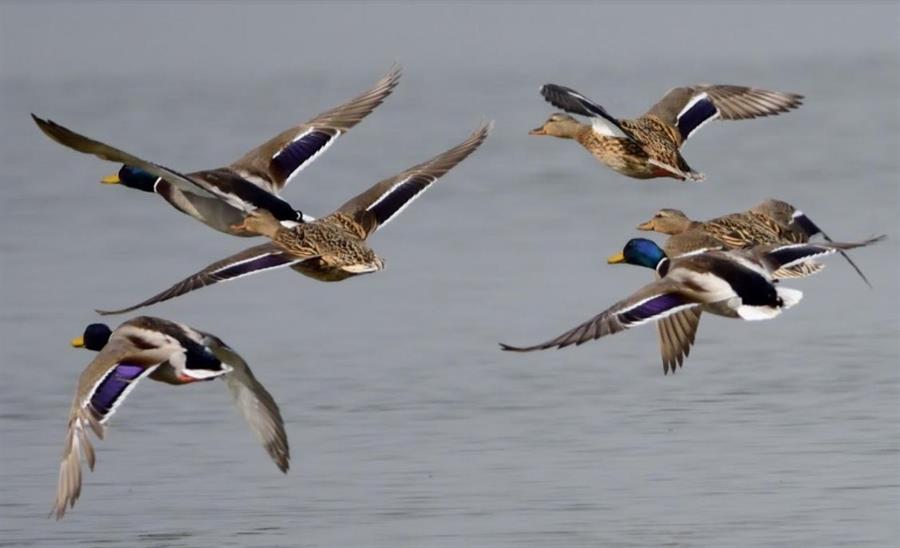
334 247
769 222
734 231
648 147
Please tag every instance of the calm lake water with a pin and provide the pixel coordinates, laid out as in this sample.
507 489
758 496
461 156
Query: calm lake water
408 426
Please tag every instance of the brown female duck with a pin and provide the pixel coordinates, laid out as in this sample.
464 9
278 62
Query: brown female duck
649 146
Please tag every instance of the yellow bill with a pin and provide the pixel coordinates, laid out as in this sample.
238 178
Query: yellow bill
77 342
615 259
111 179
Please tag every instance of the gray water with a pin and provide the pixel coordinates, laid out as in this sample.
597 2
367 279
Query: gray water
408 426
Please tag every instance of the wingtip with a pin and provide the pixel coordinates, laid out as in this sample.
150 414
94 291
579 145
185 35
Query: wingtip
509 348
42 123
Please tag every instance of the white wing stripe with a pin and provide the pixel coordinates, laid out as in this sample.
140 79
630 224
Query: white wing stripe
118 401
408 202
309 160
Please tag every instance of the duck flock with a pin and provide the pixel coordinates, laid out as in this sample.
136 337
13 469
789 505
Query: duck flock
728 266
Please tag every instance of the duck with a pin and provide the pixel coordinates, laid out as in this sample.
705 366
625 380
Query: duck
332 248
648 147
737 284
218 197
771 221
165 351
768 222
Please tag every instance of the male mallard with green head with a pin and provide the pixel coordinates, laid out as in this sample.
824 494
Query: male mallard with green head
164 351
731 283
220 197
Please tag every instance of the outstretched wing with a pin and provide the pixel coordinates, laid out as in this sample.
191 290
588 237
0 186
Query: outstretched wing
689 108
276 162
254 402
800 222
676 335
383 201
571 101
785 256
76 141
652 302
102 388
250 261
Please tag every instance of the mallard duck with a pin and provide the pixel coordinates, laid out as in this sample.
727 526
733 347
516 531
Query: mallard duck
648 147
769 222
730 283
334 247
164 351
219 197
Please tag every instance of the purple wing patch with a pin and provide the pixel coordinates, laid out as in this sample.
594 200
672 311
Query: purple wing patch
399 196
113 387
652 308
698 114
297 153
263 262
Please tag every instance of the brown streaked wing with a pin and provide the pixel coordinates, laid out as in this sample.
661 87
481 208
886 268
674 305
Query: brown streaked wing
383 201
327 126
741 229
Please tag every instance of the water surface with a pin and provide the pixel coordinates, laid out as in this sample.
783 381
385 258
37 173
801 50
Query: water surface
408 426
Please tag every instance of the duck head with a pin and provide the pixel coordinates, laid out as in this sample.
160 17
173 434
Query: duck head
640 252
94 338
132 177
667 221
559 125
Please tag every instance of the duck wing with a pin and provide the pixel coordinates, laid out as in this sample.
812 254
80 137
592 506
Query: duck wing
102 387
383 201
250 261
571 101
275 163
651 303
689 108
254 402
676 336
81 143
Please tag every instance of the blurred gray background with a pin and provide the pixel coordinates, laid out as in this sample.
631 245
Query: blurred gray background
408 426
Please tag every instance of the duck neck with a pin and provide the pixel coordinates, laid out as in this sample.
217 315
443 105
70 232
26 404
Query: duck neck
583 133
662 267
